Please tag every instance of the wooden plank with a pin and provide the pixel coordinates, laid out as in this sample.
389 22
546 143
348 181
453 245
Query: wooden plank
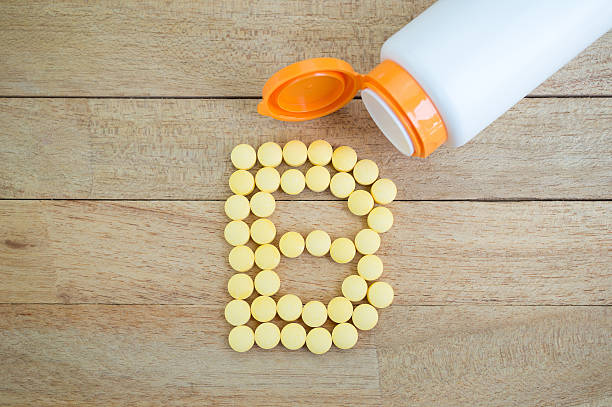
164 149
437 253
178 48
170 355
495 356
174 355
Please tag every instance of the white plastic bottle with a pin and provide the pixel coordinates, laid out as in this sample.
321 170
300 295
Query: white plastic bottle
450 72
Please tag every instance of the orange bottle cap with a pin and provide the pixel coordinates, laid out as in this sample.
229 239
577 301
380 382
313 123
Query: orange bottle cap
309 89
319 86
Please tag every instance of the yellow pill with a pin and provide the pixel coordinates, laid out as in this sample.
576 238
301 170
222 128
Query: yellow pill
237 207
236 233
367 241
360 202
267 282
267 179
370 267
380 219
384 191
293 336
270 154
262 204
263 308
354 288
340 309
365 172
267 257
380 294
241 338
344 335
241 182
320 152
291 244
263 231
243 157
318 341
342 250
317 178
342 184
318 243
289 307
314 313
292 181
237 312
365 317
240 286
344 158
295 153
241 258
267 335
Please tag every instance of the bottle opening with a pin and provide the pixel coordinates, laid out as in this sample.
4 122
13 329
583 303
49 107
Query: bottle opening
387 121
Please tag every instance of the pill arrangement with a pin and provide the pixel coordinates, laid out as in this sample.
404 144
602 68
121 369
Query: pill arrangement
262 231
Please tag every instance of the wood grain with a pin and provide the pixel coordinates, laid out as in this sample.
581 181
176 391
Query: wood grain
91 355
210 48
179 149
437 252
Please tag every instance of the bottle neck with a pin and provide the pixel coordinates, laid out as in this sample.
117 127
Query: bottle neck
402 110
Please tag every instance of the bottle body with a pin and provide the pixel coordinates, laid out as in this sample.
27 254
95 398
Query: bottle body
477 58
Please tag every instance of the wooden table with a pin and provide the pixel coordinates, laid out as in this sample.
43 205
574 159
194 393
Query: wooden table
116 124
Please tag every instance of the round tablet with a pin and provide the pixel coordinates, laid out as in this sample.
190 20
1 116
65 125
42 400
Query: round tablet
380 294
342 250
360 202
289 307
318 243
241 182
267 257
365 172
292 181
267 335
314 313
269 154
263 308
262 204
344 158
354 288
318 341
317 178
366 241
380 219
365 317
267 282
240 286
295 153
267 179
344 335
237 207
241 338
370 267
384 191
291 244
342 184
263 231
293 336
243 157
241 258
236 233
237 312
320 152
340 309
